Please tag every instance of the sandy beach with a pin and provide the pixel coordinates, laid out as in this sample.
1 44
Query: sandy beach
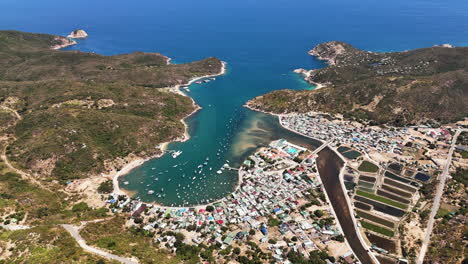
163 146
306 74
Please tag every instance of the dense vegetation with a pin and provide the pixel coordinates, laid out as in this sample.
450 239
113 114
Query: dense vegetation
79 110
429 84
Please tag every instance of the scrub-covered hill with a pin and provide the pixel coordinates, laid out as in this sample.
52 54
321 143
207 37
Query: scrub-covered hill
398 87
68 112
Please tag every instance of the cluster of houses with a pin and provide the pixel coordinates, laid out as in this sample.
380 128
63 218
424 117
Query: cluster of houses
274 183
349 133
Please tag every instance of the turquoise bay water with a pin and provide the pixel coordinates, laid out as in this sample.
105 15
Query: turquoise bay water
262 41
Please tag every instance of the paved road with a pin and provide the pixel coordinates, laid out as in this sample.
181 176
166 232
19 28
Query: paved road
324 145
438 196
74 232
15 227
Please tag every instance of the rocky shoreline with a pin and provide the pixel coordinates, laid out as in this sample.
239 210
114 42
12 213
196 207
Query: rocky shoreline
382 88
63 42
78 33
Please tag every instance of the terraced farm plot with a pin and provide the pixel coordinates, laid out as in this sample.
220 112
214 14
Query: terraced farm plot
422 177
376 219
366 184
367 166
409 173
348 177
352 154
381 230
393 197
349 185
382 242
395 167
381 199
362 206
398 178
396 191
343 149
399 185
366 189
383 208
367 178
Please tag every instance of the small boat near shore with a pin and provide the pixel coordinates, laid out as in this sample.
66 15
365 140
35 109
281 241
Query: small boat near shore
176 154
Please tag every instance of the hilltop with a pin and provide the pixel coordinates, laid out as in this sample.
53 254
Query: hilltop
69 114
422 85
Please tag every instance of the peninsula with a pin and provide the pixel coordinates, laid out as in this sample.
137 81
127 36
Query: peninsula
428 85
356 183
396 125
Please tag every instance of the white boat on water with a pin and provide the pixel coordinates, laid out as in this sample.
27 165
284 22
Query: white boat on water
150 192
219 171
176 154
126 182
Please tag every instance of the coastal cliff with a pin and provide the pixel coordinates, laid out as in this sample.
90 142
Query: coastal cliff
416 86
61 42
333 50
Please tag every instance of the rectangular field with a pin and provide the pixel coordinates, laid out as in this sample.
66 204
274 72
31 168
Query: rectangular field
382 242
366 189
376 219
366 184
378 229
393 197
398 178
362 206
381 199
396 191
399 185
367 178
381 207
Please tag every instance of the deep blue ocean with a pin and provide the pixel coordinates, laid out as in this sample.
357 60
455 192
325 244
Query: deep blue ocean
262 42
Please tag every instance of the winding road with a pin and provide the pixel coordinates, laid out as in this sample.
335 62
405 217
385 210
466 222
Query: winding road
436 204
75 233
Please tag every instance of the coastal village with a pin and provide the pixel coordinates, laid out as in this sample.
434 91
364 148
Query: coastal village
280 211
111 152
280 206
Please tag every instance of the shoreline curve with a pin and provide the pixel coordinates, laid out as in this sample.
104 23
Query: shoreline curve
163 146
